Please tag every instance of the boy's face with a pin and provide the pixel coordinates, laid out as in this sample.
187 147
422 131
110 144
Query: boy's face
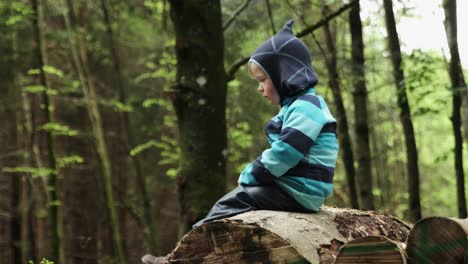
265 87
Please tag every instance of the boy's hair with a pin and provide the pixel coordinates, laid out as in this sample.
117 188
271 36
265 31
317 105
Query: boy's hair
286 61
250 65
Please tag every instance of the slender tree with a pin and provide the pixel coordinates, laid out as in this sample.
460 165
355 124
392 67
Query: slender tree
10 231
343 130
53 185
128 134
405 113
458 87
363 155
79 56
199 99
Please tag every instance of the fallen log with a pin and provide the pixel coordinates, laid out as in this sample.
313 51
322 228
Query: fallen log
438 240
371 250
283 237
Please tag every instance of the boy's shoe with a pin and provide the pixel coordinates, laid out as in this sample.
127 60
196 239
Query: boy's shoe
150 259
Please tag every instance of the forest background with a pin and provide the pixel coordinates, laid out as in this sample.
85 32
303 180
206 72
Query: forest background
123 121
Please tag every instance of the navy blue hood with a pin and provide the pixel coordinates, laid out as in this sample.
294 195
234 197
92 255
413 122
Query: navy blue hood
286 61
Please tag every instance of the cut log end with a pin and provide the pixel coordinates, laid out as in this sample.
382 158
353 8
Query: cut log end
438 240
370 250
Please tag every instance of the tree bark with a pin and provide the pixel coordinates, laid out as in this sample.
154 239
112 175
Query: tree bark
283 237
363 154
343 130
405 114
79 56
458 87
371 249
438 240
199 99
53 184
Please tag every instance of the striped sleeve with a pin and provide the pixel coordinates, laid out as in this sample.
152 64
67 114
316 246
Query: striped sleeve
302 123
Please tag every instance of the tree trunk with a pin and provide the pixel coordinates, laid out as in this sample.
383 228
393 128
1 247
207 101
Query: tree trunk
363 154
10 230
343 131
458 87
53 185
405 114
129 139
283 237
79 55
371 249
436 240
199 99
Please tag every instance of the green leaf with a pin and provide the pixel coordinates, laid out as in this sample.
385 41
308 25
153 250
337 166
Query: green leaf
34 88
136 150
118 106
52 70
58 129
69 160
34 72
35 172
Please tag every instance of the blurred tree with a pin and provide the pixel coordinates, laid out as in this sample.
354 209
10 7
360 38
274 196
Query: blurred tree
53 184
458 90
199 98
78 47
405 114
127 133
363 154
343 130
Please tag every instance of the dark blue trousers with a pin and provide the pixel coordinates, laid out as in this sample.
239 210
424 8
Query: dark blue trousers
249 198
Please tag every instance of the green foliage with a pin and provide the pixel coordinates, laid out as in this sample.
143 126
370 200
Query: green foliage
36 89
69 161
16 13
141 147
52 70
169 151
164 69
117 106
34 172
59 129
43 261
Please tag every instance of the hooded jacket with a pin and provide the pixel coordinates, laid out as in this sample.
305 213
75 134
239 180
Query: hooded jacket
302 135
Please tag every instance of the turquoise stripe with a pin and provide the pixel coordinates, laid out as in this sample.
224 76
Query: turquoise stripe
280 158
308 193
246 177
303 123
325 159
307 108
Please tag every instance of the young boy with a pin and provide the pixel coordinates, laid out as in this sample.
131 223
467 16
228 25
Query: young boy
296 172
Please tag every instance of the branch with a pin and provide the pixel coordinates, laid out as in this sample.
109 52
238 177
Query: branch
270 15
236 13
236 65
326 19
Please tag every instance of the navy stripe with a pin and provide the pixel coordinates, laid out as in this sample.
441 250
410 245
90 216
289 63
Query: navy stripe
329 128
260 173
312 171
273 127
311 99
296 139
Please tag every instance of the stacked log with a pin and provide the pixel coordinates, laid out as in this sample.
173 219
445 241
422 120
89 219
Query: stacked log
283 237
371 250
438 240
